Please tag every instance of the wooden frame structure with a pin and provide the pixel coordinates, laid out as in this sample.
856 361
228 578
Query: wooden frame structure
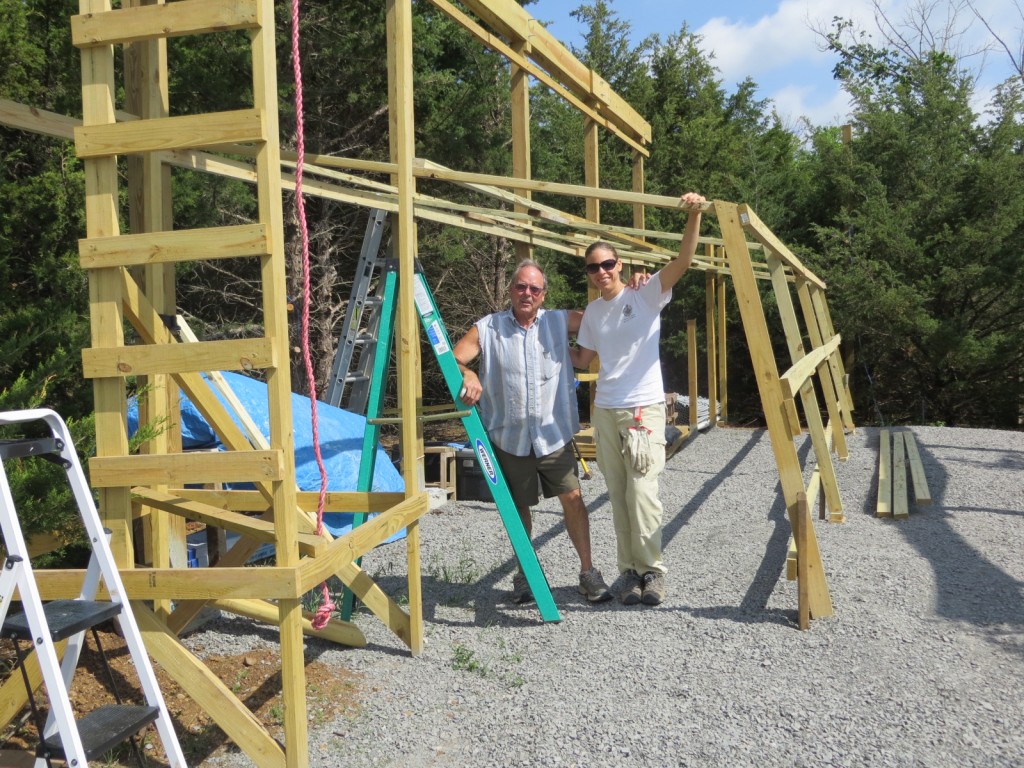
131 279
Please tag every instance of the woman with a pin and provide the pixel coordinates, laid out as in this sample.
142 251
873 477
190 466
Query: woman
623 327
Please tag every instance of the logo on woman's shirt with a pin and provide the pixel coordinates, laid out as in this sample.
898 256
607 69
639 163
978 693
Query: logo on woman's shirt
628 313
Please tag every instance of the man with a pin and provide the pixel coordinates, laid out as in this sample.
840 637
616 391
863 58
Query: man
526 394
623 327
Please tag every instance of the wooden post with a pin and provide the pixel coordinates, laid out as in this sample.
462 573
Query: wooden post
766 371
883 503
710 292
400 86
723 378
801 528
521 137
691 359
149 196
639 215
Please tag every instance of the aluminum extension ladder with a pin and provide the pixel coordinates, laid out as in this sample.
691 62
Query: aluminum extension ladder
45 625
437 334
360 329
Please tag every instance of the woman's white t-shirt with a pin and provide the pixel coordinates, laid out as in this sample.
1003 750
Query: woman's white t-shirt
625 333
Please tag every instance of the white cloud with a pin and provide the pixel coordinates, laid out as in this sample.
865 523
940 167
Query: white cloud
782 50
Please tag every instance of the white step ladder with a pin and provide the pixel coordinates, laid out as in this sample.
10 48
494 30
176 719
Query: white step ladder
43 626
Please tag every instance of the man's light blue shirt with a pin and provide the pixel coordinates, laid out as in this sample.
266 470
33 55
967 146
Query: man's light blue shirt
529 392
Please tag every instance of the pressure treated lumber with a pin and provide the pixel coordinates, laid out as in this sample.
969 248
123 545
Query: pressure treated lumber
883 504
900 506
920 481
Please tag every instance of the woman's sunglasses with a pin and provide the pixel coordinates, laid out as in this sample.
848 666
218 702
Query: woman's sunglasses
607 265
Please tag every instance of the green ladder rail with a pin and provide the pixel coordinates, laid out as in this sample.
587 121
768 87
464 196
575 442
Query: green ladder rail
432 324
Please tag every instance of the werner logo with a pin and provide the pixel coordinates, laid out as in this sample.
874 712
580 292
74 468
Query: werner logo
486 463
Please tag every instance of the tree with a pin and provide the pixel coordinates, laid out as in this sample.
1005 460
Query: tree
921 247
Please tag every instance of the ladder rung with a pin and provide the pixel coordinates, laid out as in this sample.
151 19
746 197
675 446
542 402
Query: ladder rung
188 17
103 729
164 133
64 618
28 446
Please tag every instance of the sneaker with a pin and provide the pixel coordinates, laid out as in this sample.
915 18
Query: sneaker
631 588
521 592
592 586
653 588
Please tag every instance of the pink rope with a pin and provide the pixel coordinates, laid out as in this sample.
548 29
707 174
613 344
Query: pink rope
323 613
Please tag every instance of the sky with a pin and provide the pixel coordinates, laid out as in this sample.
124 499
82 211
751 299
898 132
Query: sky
774 43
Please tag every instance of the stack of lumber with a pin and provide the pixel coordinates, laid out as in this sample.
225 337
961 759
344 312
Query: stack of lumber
897 457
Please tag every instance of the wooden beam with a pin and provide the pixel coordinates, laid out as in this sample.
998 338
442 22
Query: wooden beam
181 583
144 359
336 631
182 468
181 245
186 17
921 493
240 725
900 506
185 132
883 503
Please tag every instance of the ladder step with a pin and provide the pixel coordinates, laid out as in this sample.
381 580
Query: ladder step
30 446
64 618
103 729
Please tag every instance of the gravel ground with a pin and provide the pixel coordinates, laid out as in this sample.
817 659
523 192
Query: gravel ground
921 665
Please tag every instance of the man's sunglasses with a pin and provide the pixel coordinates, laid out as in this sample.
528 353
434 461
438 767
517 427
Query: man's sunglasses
535 290
607 265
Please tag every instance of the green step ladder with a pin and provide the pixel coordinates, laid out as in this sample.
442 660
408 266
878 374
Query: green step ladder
430 318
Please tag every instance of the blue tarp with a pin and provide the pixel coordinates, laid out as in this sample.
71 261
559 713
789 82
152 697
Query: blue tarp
340 435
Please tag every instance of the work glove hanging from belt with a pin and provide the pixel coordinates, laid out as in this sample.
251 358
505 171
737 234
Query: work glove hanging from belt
637 444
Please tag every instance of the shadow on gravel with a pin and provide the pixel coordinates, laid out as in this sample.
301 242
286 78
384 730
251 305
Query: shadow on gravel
969 586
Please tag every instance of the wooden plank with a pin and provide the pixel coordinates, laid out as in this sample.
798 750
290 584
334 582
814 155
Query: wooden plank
791 560
518 56
41 121
828 388
182 468
186 17
361 540
723 358
185 132
182 583
253 527
335 501
748 300
761 233
177 246
336 631
147 359
883 506
209 692
900 508
805 367
512 21
710 292
691 362
801 534
920 481
102 214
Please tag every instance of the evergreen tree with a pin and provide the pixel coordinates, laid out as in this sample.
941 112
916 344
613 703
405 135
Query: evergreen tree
921 245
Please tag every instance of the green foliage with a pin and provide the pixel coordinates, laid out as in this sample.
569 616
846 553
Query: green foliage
920 239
